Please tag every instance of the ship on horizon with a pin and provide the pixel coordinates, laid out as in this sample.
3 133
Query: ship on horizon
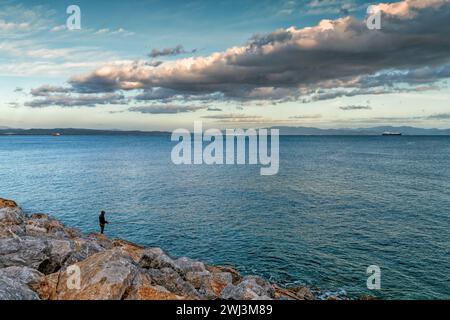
388 133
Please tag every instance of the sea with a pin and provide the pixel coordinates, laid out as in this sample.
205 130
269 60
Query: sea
338 205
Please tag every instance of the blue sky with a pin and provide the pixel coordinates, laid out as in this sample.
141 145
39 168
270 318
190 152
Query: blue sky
228 63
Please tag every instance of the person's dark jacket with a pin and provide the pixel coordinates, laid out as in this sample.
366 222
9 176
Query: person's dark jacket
102 220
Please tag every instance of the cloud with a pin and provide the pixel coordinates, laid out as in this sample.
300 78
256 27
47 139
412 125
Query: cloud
306 117
154 63
235 117
332 59
354 107
213 109
439 116
179 49
46 90
120 31
29 49
14 104
320 7
18 89
58 28
287 8
12 26
17 19
85 100
165 109
244 119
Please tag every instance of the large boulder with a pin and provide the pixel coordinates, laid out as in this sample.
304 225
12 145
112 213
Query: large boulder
155 258
47 255
142 288
103 276
294 293
11 216
130 249
174 282
208 284
250 288
11 219
16 283
236 276
101 240
40 224
29 276
25 251
186 265
10 289
82 249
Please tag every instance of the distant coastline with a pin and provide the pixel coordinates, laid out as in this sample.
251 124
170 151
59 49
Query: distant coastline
284 130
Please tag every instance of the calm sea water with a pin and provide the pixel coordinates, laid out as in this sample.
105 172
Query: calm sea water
337 205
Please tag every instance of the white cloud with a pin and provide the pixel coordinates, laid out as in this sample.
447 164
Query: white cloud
119 31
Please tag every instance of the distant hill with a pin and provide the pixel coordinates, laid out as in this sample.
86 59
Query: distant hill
78 132
284 130
361 131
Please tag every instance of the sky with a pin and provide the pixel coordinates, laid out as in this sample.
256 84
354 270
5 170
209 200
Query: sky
161 65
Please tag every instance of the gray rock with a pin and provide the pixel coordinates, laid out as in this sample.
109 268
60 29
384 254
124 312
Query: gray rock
103 276
251 288
28 276
11 289
188 265
172 281
155 258
11 222
47 255
11 215
83 248
15 283
197 279
26 251
41 225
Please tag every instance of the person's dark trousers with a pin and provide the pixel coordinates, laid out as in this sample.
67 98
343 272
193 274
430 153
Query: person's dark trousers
102 227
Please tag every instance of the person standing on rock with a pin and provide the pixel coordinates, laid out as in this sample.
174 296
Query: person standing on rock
102 221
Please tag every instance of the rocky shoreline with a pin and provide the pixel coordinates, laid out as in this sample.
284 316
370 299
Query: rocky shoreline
41 259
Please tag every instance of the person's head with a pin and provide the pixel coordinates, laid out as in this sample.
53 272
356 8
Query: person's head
102 212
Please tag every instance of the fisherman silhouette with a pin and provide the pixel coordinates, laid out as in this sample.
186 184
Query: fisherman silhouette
102 221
